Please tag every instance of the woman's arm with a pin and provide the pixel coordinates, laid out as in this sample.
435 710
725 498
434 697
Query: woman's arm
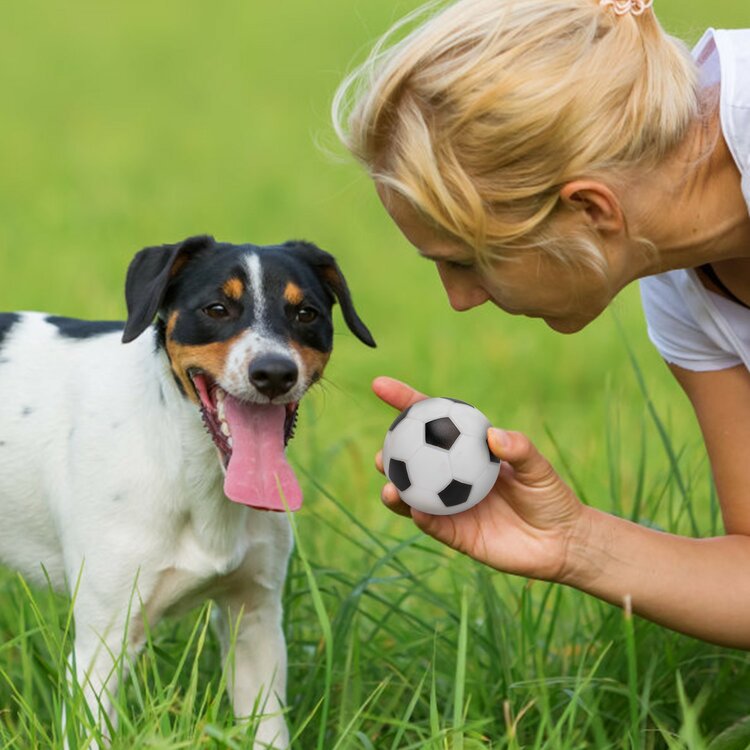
532 524
697 586
721 400
700 587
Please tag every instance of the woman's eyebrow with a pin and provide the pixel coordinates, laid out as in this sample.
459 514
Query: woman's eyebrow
453 258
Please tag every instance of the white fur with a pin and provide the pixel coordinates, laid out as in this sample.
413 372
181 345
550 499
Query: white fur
256 342
108 479
252 344
257 288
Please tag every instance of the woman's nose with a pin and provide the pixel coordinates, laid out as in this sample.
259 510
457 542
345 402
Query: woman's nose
463 288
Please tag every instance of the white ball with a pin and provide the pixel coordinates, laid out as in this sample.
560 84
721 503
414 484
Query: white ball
436 454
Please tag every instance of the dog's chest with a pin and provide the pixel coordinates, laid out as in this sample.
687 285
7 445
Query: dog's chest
242 549
210 545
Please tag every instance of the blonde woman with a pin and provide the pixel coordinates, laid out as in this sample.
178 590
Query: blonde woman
543 154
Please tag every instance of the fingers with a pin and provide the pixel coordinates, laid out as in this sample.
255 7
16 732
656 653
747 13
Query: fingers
389 494
395 393
529 466
393 502
400 396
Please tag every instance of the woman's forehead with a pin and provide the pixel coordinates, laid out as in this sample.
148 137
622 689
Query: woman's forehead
431 242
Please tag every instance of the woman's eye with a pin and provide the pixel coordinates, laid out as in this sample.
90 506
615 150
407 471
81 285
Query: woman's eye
306 314
459 265
216 311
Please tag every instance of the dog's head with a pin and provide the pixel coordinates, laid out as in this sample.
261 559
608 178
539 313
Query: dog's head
247 331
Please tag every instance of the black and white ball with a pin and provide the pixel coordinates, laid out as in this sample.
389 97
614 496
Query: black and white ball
436 454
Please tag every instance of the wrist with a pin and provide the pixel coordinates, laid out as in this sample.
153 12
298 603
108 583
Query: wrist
584 559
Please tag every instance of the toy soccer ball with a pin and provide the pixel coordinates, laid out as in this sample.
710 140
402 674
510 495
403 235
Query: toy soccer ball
436 454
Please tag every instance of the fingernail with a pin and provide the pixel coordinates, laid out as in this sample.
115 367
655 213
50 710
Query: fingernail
500 437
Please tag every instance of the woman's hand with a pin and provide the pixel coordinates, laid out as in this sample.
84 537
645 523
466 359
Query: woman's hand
532 524
527 522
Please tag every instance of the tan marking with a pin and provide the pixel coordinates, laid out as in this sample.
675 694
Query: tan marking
293 294
210 358
233 288
314 361
178 264
332 276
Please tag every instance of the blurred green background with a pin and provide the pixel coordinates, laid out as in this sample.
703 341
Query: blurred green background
132 124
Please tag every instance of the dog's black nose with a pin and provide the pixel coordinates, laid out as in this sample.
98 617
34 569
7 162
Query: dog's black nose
273 374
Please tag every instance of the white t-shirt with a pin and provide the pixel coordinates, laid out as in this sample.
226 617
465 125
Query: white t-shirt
691 326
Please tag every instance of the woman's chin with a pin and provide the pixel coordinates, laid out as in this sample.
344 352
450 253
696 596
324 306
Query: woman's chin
566 325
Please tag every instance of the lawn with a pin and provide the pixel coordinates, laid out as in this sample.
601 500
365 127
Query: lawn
132 124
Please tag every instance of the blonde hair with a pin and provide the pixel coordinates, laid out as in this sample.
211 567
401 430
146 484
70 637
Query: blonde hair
480 114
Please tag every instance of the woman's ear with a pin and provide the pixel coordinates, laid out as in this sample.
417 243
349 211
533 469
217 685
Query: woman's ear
601 206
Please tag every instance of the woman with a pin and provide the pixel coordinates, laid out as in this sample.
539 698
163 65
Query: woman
544 154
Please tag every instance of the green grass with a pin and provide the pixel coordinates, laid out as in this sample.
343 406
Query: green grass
134 124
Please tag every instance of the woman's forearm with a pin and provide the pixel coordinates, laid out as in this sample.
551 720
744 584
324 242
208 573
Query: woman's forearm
700 587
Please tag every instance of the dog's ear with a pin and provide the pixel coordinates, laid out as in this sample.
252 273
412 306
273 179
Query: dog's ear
328 271
148 276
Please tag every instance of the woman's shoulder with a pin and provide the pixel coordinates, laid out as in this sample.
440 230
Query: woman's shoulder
734 52
684 325
664 296
723 55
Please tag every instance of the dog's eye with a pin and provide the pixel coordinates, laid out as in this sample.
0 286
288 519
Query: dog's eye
216 311
307 314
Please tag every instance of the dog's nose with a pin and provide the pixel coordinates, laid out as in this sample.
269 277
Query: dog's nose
273 374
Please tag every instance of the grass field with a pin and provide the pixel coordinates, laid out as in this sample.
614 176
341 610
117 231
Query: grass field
126 125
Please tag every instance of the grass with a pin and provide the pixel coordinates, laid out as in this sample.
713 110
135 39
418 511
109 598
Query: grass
130 125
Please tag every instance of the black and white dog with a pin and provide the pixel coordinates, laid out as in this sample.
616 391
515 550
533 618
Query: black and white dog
109 435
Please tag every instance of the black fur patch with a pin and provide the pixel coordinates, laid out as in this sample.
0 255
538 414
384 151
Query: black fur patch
200 284
7 321
73 328
189 278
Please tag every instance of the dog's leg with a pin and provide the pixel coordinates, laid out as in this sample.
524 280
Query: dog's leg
95 664
100 664
102 655
251 624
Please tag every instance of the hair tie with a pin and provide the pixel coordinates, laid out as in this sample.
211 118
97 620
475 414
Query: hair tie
622 7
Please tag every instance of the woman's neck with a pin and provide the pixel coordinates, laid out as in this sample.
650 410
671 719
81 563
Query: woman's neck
693 209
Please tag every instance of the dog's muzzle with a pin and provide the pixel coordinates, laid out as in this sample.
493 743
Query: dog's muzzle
250 438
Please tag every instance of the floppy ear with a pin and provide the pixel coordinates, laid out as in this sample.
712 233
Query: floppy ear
148 276
325 266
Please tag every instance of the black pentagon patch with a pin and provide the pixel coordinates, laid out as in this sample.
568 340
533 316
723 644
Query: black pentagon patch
441 433
398 474
493 458
455 493
398 419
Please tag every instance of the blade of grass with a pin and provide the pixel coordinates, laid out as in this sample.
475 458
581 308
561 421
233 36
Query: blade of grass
630 650
372 698
325 626
460 677
659 424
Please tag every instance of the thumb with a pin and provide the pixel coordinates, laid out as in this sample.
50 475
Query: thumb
529 465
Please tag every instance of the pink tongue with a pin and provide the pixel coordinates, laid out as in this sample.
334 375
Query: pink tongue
258 466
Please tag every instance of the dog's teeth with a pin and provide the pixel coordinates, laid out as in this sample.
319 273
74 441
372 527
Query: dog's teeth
225 429
230 442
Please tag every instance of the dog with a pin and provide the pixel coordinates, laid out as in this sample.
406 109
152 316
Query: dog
139 459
